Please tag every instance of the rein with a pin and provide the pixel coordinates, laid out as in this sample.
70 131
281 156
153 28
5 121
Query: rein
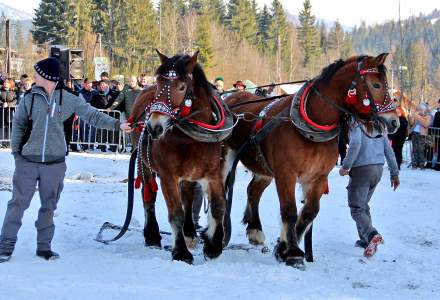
266 85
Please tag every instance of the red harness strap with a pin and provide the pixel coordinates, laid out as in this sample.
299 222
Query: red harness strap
306 118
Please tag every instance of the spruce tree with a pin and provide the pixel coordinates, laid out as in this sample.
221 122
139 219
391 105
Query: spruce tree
243 21
264 23
307 33
204 39
336 38
53 22
217 10
279 33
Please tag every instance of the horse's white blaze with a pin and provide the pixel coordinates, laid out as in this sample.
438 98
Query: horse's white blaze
256 236
158 120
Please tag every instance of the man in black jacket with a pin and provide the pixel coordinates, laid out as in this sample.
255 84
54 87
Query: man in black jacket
105 96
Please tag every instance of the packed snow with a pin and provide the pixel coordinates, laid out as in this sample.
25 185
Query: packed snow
405 267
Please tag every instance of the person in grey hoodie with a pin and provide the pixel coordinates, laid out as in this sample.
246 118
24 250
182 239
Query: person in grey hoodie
39 147
364 163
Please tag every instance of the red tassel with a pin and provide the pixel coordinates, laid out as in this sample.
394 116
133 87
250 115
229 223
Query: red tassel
137 182
258 125
130 120
351 97
365 109
147 194
153 184
186 109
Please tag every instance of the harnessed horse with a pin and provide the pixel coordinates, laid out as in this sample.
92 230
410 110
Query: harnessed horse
182 141
293 139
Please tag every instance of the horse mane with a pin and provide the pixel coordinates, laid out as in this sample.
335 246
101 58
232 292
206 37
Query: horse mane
178 63
329 71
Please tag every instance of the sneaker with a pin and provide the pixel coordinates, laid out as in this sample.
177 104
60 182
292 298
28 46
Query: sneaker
48 254
5 256
361 244
372 245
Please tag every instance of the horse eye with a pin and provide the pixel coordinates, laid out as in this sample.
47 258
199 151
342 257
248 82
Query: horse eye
376 85
182 88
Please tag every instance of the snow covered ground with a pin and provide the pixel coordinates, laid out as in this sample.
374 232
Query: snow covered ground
405 267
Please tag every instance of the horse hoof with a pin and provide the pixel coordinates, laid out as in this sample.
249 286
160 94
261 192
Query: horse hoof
279 251
296 262
153 242
191 242
213 248
309 258
184 256
256 237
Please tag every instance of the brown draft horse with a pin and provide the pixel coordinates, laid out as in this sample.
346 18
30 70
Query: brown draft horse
290 158
180 160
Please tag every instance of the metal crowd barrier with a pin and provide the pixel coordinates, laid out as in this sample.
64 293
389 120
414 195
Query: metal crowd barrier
87 137
6 116
432 148
84 136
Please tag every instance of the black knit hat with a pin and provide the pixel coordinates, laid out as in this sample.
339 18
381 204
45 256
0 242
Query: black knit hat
49 69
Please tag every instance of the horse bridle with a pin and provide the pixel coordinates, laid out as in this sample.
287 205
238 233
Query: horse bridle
368 103
165 108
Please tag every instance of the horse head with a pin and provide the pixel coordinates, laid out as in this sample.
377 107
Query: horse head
175 92
368 95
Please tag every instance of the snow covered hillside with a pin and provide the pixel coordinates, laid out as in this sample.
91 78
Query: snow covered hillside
405 267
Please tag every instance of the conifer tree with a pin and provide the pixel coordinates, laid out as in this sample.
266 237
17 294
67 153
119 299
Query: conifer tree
264 23
217 10
54 21
243 21
204 40
307 33
336 38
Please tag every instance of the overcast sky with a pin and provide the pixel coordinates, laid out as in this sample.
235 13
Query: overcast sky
348 12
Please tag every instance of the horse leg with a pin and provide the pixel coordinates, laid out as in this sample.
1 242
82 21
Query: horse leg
213 234
151 228
187 195
251 216
176 217
287 249
308 245
312 193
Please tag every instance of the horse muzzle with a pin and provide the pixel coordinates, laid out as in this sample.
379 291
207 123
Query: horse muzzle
391 122
157 125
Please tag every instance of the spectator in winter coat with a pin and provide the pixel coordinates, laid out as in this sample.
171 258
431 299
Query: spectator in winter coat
420 120
39 148
126 98
399 137
143 82
8 97
105 96
364 163
23 88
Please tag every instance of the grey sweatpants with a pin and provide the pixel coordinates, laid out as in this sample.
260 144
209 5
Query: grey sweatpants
50 184
363 181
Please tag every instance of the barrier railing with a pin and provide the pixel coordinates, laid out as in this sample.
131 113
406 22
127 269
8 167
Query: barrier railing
84 136
87 137
6 116
431 148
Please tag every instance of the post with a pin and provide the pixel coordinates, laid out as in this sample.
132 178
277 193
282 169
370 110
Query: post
8 49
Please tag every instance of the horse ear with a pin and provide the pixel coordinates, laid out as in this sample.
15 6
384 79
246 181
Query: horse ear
192 63
380 59
163 58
